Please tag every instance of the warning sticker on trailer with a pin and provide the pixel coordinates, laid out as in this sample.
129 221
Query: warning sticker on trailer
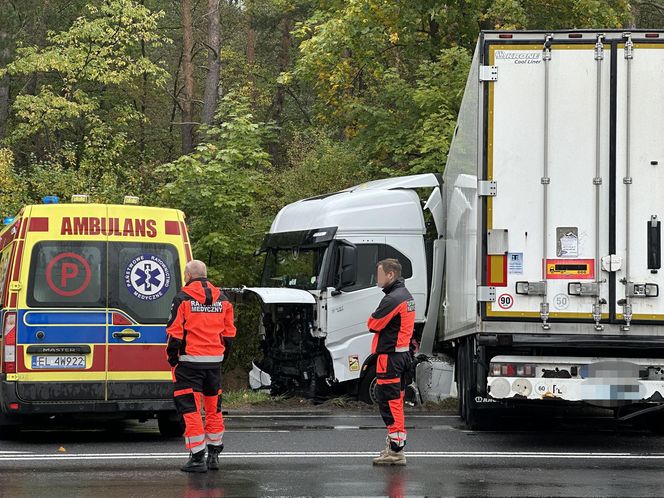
568 242
515 263
561 269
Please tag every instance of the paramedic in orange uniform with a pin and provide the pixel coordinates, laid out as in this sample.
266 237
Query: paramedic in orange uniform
392 325
200 329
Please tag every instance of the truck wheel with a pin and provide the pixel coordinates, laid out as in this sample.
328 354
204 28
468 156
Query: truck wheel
470 414
170 425
366 392
459 380
655 423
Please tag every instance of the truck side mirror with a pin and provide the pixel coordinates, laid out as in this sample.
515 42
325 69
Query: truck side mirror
347 266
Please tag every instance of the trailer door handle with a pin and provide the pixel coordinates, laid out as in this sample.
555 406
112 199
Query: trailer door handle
654 243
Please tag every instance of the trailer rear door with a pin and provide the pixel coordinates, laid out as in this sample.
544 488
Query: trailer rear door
547 144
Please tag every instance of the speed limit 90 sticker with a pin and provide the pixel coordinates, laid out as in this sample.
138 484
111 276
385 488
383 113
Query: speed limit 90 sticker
505 301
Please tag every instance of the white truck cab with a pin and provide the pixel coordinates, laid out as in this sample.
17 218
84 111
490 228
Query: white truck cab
319 286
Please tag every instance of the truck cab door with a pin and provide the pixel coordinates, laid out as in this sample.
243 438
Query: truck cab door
348 309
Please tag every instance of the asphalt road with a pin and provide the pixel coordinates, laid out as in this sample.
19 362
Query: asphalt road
330 454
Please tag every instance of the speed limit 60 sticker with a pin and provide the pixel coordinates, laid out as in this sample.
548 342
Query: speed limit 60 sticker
505 301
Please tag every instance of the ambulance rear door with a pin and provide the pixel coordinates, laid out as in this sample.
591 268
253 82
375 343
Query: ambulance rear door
146 260
61 279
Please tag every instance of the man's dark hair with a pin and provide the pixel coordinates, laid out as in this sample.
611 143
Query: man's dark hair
391 265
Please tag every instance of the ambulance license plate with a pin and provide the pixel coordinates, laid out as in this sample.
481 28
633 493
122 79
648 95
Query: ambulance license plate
64 361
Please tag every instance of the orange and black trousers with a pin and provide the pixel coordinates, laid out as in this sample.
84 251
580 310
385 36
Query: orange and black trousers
390 373
192 388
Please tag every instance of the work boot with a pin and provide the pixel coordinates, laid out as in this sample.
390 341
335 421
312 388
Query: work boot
390 457
385 450
213 456
196 463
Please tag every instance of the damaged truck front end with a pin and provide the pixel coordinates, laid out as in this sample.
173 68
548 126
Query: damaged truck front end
298 267
294 358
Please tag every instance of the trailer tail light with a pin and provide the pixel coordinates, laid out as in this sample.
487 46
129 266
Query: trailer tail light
576 35
511 370
652 35
9 348
505 36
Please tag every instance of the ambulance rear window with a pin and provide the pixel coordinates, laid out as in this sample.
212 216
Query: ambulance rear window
143 279
67 274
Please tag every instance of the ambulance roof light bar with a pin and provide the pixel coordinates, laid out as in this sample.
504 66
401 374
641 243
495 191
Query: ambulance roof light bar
50 199
8 220
80 199
131 199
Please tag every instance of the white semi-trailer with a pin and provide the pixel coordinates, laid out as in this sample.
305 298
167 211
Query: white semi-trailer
554 264
541 267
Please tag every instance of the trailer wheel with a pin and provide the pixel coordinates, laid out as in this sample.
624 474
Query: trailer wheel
367 390
170 425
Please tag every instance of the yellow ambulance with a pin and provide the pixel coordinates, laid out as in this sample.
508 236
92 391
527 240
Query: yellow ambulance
85 293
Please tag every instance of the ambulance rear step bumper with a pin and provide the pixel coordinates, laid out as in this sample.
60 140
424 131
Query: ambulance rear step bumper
10 404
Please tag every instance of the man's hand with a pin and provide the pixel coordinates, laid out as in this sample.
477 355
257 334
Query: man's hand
173 360
228 343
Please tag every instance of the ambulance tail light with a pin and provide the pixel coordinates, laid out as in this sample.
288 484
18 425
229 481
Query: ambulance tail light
9 349
119 319
131 200
80 199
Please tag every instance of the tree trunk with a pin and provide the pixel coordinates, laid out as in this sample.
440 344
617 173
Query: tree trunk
211 96
5 55
188 77
283 60
251 60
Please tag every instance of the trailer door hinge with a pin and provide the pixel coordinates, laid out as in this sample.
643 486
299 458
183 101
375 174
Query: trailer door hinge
487 188
488 73
531 288
486 294
588 289
641 290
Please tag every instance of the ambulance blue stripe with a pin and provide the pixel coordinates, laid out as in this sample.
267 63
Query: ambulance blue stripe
80 328
64 318
57 334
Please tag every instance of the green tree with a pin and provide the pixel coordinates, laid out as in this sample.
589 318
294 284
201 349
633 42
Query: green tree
81 119
217 186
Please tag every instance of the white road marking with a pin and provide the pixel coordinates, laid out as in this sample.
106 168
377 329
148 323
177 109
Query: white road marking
341 455
298 416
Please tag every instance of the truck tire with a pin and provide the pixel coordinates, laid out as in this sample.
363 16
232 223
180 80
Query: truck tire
366 391
655 423
170 425
473 419
459 380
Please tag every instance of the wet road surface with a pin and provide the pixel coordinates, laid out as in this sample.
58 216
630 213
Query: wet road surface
330 454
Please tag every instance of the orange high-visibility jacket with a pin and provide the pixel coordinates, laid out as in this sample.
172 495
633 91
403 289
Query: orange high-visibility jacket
200 326
394 320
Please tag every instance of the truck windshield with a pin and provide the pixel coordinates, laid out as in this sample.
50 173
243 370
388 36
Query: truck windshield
295 267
